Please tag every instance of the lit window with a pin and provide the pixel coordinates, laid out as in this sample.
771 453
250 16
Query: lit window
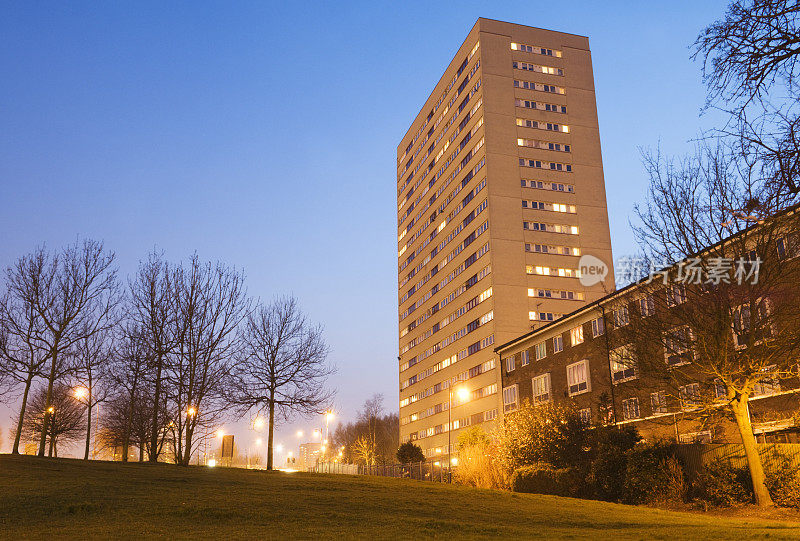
510 398
576 335
623 366
578 377
541 389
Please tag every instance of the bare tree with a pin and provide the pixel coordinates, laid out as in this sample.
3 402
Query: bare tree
723 323
283 366
66 420
153 309
22 354
210 303
92 360
74 292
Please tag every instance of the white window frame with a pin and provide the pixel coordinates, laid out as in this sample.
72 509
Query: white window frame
558 343
646 305
627 405
668 353
510 392
537 398
621 317
524 358
572 382
511 363
619 365
598 327
540 350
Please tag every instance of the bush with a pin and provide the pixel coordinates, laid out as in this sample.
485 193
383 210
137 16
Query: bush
609 461
653 474
477 464
542 478
410 452
783 481
724 485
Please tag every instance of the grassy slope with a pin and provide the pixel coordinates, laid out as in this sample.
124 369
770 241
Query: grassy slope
68 498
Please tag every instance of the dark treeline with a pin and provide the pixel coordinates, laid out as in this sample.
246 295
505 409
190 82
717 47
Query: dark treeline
373 438
166 355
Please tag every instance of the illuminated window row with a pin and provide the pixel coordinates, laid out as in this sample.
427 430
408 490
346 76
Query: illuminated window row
548 206
538 68
457 250
550 249
555 294
474 279
439 102
431 164
551 228
549 126
535 49
540 106
562 272
540 164
546 185
540 87
461 333
471 373
439 228
544 316
442 407
544 145
474 419
469 305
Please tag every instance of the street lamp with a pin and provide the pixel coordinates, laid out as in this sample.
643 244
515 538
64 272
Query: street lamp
299 433
81 392
463 396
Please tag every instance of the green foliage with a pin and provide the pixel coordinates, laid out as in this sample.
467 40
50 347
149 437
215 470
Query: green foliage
653 474
543 478
609 446
783 481
477 460
410 452
550 433
722 484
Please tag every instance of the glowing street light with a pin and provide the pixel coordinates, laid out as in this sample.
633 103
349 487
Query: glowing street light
211 463
191 411
220 433
463 395
279 447
258 441
258 423
299 433
81 392
51 409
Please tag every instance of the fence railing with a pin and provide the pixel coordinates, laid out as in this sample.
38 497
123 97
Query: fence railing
424 471
696 455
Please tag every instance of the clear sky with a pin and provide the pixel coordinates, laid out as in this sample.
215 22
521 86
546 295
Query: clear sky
265 134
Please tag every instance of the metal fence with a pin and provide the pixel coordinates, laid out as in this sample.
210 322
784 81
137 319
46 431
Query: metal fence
424 471
696 455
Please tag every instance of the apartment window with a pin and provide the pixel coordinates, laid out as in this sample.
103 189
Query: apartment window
623 366
767 385
540 164
646 306
576 335
658 402
535 49
690 396
585 416
525 358
676 294
548 70
621 317
541 389
578 377
720 391
543 316
677 344
510 398
598 327
541 351
630 409
511 363
558 343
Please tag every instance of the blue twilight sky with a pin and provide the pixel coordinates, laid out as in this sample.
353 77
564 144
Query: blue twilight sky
264 134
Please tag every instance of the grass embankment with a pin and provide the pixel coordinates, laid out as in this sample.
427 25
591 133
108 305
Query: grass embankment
41 498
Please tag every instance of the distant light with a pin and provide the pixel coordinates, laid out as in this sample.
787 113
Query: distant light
51 409
259 422
220 433
289 453
436 463
463 393
81 392
329 416
258 441
325 441
323 449
299 433
454 461
279 447
212 463
191 411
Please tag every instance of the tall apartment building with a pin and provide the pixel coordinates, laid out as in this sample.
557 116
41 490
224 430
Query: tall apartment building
500 190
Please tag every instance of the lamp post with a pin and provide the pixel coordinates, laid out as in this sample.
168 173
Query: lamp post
463 396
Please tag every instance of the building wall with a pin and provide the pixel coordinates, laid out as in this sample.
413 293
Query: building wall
491 266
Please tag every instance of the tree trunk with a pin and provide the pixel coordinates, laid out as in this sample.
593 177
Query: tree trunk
271 429
187 450
742 415
141 452
89 423
47 403
154 433
126 439
18 435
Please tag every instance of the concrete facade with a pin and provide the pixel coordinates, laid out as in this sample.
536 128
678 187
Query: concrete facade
500 191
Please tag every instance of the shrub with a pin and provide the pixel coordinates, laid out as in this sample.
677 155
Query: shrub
410 452
609 461
477 463
543 478
783 481
653 474
724 485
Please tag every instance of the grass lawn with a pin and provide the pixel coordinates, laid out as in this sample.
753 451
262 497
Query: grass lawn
63 498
